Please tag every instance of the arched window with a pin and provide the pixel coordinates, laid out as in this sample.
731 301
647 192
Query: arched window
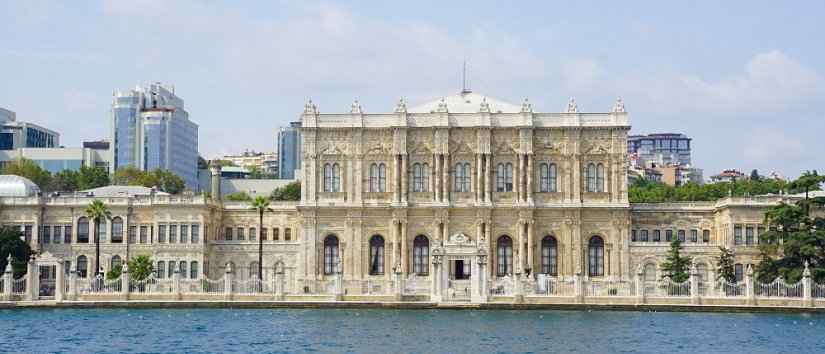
382 177
595 257
330 254
547 177
336 178
327 177
83 230
82 266
376 255
418 178
551 186
101 230
115 262
590 177
421 255
161 269
549 255
508 177
182 269
253 270
462 178
599 178
170 271
117 230
500 177
193 270
504 255
373 180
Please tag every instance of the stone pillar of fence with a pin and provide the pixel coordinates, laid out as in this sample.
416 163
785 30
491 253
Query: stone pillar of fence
227 282
176 284
279 285
8 279
32 280
435 289
749 287
694 285
807 299
578 287
480 289
59 278
640 286
125 279
518 291
72 293
339 285
398 279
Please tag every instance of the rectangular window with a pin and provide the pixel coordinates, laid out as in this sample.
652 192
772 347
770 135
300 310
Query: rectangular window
738 271
132 236
668 235
633 236
749 235
240 234
287 234
101 231
27 233
144 234
681 235
45 234
275 235
67 234
643 236
184 233
57 233
737 235
161 233
173 233
705 236
264 234
694 235
196 233
228 235
657 235
252 236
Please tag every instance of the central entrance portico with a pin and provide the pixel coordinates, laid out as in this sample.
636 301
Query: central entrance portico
459 265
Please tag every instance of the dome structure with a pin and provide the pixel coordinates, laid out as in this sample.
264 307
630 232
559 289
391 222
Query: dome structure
466 102
16 186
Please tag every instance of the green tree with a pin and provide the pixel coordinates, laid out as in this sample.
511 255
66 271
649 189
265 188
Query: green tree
643 191
807 182
202 163
128 176
96 211
676 267
27 168
238 197
169 182
115 272
724 265
289 192
141 267
11 242
261 205
92 177
162 179
65 180
792 239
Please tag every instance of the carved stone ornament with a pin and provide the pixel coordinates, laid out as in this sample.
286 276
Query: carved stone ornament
485 107
356 108
310 108
526 107
442 106
618 107
572 107
401 107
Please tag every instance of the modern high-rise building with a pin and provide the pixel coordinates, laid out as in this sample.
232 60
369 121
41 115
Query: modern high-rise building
151 129
663 149
289 150
15 134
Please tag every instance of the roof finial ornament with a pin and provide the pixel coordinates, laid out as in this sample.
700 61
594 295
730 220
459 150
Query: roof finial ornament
310 108
485 107
356 108
401 107
442 106
572 107
618 107
526 107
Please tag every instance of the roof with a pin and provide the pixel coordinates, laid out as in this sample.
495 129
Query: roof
17 186
122 191
466 102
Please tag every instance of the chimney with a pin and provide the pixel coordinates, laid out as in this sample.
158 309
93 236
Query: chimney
215 168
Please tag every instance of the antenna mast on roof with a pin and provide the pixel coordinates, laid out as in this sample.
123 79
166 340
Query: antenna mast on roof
464 88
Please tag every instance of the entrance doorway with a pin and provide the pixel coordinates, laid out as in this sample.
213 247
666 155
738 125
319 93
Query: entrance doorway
48 276
461 269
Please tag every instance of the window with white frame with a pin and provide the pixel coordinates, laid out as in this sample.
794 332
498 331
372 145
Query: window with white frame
461 179
504 177
332 177
547 177
421 177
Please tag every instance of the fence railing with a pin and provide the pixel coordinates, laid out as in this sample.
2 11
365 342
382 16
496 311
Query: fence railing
416 285
18 286
669 288
817 290
610 288
778 288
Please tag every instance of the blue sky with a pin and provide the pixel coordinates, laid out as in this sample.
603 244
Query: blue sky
745 79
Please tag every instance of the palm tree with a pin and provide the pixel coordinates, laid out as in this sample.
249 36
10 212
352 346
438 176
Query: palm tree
261 204
96 210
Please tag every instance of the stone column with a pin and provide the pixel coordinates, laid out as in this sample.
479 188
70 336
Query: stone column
435 288
279 285
176 284
640 286
694 285
339 283
518 292
479 182
405 186
518 181
530 245
488 178
396 244
59 279
8 279
806 287
436 178
398 283
227 282
522 254
749 290
529 184
445 197
405 269
72 293
479 277
396 192
578 287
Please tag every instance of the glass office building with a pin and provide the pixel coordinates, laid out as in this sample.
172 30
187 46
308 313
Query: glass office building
289 150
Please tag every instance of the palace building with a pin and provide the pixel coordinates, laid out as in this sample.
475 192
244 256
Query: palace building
452 196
